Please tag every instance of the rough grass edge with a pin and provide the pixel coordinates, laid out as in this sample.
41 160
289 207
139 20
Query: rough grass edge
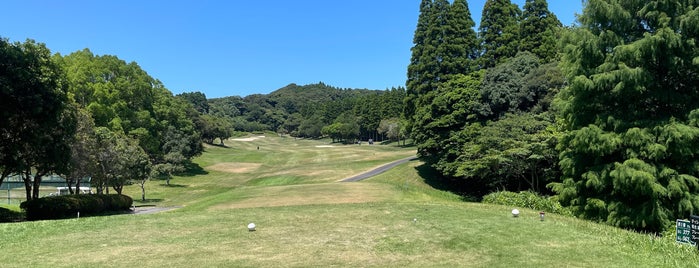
527 199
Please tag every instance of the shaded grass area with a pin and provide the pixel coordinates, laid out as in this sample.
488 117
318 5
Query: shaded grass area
306 218
11 213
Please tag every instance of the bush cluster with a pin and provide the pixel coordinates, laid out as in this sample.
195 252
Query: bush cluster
66 206
526 199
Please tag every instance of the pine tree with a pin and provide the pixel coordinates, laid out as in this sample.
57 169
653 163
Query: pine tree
632 113
499 32
539 30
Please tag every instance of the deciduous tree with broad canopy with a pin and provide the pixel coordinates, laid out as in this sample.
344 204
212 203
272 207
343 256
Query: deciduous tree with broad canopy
35 124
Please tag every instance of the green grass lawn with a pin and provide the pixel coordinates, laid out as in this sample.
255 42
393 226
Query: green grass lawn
306 218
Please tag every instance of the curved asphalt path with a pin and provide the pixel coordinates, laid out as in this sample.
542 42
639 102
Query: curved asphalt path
379 170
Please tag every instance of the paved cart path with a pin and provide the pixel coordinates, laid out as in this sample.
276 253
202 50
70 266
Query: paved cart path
379 170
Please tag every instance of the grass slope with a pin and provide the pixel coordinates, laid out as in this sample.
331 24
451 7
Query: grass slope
306 218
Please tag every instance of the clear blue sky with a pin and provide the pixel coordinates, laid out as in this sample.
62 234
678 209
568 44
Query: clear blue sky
239 47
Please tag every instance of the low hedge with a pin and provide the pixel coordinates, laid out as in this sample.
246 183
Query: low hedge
526 199
67 206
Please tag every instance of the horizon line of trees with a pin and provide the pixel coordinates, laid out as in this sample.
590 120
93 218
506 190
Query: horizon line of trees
308 111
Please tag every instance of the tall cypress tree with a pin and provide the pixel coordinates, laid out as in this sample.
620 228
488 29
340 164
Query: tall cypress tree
629 157
538 30
435 59
499 32
446 47
460 45
418 78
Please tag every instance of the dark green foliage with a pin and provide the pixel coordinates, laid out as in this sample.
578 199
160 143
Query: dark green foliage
502 89
345 128
539 30
499 32
458 48
303 111
197 99
445 47
36 123
489 127
516 152
68 206
420 71
526 199
437 124
632 113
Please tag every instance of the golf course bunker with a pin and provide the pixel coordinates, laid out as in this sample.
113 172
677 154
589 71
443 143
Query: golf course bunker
249 139
234 167
325 146
309 194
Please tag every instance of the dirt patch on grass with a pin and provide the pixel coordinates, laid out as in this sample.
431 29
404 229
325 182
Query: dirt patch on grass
310 194
233 167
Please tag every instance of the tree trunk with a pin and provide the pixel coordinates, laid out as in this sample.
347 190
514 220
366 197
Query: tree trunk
69 182
118 188
27 184
143 191
37 185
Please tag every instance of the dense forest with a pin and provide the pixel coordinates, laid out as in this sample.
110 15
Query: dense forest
602 115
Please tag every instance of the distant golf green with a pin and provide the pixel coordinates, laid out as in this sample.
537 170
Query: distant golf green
305 217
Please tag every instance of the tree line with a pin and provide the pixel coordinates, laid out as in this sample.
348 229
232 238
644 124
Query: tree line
86 116
309 111
89 116
601 114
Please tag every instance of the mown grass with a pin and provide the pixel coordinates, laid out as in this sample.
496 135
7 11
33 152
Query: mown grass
306 218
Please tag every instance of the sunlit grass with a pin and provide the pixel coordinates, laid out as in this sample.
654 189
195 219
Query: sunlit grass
306 218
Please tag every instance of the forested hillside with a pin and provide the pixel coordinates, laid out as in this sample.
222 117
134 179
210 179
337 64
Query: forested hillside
308 111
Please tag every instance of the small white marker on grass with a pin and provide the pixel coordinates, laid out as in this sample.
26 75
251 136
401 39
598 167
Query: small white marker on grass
251 227
515 213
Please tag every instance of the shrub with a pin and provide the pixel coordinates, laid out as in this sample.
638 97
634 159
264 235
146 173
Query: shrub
527 199
65 206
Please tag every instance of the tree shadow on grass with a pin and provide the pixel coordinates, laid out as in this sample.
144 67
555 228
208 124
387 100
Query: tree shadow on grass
174 185
221 145
7 215
193 169
148 203
457 186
